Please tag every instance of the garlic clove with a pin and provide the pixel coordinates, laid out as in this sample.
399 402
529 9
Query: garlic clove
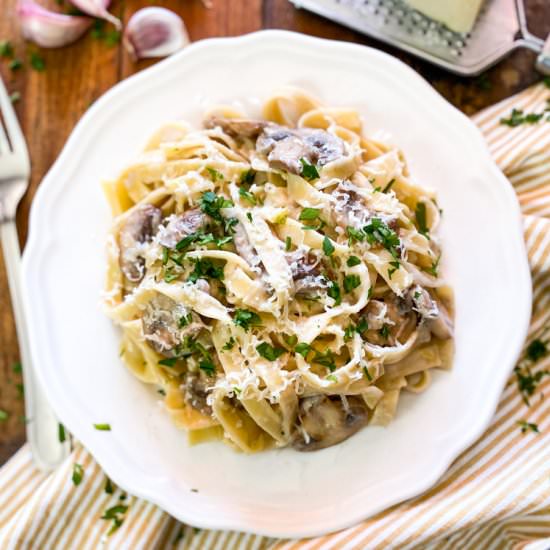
155 32
49 29
97 8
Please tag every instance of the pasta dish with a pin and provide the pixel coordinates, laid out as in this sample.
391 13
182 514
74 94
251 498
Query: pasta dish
277 278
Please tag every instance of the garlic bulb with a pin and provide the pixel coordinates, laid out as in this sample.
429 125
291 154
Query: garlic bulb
97 8
155 32
49 29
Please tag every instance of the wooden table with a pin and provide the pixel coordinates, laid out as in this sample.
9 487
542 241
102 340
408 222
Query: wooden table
52 101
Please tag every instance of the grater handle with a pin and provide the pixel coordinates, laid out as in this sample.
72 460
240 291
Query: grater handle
543 60
534 43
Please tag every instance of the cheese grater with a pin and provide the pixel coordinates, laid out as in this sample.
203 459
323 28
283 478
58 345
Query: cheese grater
500 28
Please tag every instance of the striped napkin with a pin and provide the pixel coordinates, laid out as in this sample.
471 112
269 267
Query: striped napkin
496 495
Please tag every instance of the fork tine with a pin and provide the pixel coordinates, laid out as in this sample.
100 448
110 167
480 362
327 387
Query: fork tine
4 145
12 126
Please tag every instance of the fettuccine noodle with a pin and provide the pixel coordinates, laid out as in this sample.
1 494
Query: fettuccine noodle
277 279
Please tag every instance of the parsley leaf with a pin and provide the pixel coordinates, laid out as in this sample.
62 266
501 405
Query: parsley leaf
169 361
303 349
247 177
384 331
325 358
328 247
246 319
103 427
389 186
114 514
309 171
230 344
207 366
536 350
517 117
211 204
351 282
528 426
288 244
335 293
378 232
6 49
308 214
61 432
267 351
354 235
332 378
433 270
420 214
78 474
205 269
3 415
353 260
214 174
367 373
37 62
248 196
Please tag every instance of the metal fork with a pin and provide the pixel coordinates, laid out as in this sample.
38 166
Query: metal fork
42 426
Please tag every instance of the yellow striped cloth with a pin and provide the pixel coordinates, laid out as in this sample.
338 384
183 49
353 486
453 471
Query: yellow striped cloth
496 495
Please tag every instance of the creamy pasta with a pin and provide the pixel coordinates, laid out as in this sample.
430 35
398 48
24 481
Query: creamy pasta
277 279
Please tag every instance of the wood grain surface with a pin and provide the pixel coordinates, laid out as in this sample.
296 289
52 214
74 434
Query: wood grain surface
52 101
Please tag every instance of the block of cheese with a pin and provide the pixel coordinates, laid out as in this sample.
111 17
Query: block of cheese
458 15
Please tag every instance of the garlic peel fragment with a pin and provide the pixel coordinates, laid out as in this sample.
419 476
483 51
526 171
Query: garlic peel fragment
97 8
155 32
49 29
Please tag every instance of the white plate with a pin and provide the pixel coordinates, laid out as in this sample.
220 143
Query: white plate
279 493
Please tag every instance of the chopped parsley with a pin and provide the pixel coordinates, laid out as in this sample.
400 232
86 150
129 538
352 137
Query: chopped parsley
328 247
229 345
536 350
161 391
116 515
351 282
103 427
384 331
170 275
528 381
288 244
352 261
6 49
37 62
309 171
290 340
247 177
389 186
517 117
378 232
420 214
528 426
249 216
267 351
349 331
367 374
109 486
214 174
308 214
205 269
17 368
354 235
433 269
394 266
78 473
15 64
325 358
3 415
61 432
247 196
362 325
168 362
207 366
179 536
185 320
332 378
246 319
335 293
303 349
211 204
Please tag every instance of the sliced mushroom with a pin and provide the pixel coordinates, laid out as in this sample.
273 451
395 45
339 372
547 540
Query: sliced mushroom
285 148
243 246
349 208
441 326
237 127
328 420
305 272
390 320
166 324
324 147
195 392
180 226
137 229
